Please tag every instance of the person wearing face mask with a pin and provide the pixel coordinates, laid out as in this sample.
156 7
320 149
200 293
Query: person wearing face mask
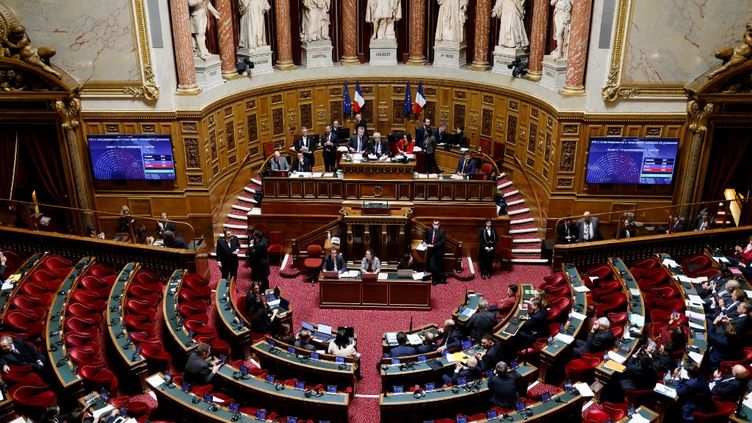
434 242
487 240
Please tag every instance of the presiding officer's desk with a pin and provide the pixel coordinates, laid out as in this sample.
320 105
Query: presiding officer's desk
390 292
286 361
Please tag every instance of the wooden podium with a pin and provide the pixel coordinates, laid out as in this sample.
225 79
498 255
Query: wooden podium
385 232
377 170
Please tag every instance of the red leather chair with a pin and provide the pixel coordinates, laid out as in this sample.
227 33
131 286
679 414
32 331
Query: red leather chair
22 374
563 304
146 317
134 323
37 290
76 323
101 271
646 263
24 302
554 279
615 301
35 313
88 355
616 411
313 260
80 339
100 377
92 283
146 276
555 292
136 409
190 295
81 310
140 291
144 337
594 415
198 291
504 252
193 280
186 311
39 397
199 390
696 262
17 320
199 327
41 275
708 272
93 300
602 272
638 397
139 307
275 245
667 291
605 288
156 354
646 285
58 265
218 346
618 331
746 359
721 414
583 368
618 318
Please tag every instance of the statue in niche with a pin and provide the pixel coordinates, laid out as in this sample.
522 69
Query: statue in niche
733 57
383 14
200 24
315 20
252 25
17 45
511 13
450 25
562 23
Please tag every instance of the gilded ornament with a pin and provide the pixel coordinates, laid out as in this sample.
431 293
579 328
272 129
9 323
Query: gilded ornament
733 57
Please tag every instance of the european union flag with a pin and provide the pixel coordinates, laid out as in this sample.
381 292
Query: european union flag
347 104
407 106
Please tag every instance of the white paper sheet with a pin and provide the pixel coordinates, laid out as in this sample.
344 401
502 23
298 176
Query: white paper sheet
696 357
414 339
421 247
562 337
383 276
637 418
695 299
670 263
637 319
576 315
694 325
634 292
418 276
581 288
584 389
665 390
617 357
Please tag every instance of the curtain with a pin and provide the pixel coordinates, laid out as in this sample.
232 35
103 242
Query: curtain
725 161
9 153
42 143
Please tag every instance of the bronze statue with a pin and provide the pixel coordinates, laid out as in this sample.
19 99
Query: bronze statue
736 56
17 45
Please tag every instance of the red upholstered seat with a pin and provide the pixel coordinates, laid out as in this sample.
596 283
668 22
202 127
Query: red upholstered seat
92 283
201 291
582 369
594 415
99 376
746 359
555 292
33 313
18 321
190 295
39 397
616 411
42 275
555 279
646 263
145 276
23 302
88 354
81 310
313 261
275 245
81 338
616 301
35 289
144 290
602 272
155 353
92 300
186 311
604 288
617 318
721 413
140 307
199 327
101 271
22 374
58 265
638 397
75 323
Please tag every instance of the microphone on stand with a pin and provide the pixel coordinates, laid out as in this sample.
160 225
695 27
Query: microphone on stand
411 325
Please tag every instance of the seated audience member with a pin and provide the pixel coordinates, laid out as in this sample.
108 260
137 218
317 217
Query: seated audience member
729 308
19 352
302 164
678 224
466 165
334 261
741 321
662 360
197 368
535 325
469 371
628 227
542 296
451 336
482 321
724 347
279 162
251 298
730 387
405 145
123 226
693 393
428 345
566 232
507 304
742 256
599 339
492 353
370 263
304 340
285 334
402 349
503 386
674 340
378 147
358 142
639 373
172 241
261 322
344 346
715 292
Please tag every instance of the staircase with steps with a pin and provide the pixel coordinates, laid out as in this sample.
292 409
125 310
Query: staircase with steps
526 244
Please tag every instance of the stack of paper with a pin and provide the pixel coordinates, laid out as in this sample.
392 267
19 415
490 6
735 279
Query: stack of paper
696 357
383 276
584 389
637 418
616 357
695 299
562 337
665 390
576 315
414 339
391 338
615 366
581 288
634 292
418 276
458 356
421 247
670 263
468 312
637 319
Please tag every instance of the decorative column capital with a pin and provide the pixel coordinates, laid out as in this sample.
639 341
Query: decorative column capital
698 115
68 110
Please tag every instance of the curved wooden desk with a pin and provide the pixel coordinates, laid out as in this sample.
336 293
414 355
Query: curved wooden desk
173 322
233 322
16 279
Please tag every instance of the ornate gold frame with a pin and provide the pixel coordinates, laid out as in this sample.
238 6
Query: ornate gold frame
146 87
615 89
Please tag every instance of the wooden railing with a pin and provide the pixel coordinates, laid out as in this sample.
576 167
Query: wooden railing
541 222
629 249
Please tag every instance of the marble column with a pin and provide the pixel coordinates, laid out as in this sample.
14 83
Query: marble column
349 33
284 40
698 126
579 36
538 37
225 40
482 31
69 110
417 32
183 46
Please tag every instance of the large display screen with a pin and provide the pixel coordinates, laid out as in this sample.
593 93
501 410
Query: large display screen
131 157
644 161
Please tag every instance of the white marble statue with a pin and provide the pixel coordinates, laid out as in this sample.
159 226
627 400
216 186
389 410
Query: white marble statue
562 22
450 25
200 24
252 25
315 20
512 30
382 14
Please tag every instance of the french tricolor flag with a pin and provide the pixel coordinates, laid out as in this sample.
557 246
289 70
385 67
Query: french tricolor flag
359 100
420 101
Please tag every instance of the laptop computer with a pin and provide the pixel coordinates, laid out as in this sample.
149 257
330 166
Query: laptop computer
323 333
330 274
307 326
284 304
405 273
369 276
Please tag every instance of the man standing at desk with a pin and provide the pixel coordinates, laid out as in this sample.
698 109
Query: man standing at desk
334 262
422 132
370 264
302 164
358 142
378 147
430 149
434 242
330 143
306 144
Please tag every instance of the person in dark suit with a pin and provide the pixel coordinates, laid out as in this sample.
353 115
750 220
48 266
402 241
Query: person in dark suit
693 393
228 248
442 137
459 139
468 371
628 227
428 345
487 240
259 259
304 340
172 241
358 142
534 326
302 164
503 386
482 321
724 347
306 144
361 123
730 388
639 373
329 143
19 352
451 336
566 232
422 133
493 352
466 165
402 349
261 321
378 147
165 224
334 261
430 148
197 369
678 224
279 163
434 242
587 228
3 260
599 339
